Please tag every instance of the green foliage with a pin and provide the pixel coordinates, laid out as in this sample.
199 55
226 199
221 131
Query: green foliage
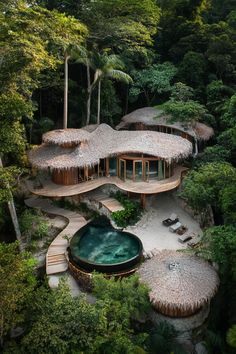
17 283
215 153
62 324
8 177
163 340
228 118
203 187
128 296
228 203
32 225
192 69
186 112
129 31
227 139
217 93
152 81
219 245
131 213
181 92
13 106
231 336
65 324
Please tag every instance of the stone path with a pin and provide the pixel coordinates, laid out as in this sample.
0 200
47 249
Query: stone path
56 261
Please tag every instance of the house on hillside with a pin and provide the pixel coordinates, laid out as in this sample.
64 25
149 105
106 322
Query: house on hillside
80 160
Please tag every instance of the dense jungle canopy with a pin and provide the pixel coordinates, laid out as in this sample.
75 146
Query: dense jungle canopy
108 58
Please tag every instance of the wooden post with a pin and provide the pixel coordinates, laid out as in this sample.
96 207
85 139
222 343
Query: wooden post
107 167
143 200
86 173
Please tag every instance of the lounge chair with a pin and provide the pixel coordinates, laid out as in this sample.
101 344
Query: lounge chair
194 242
175 227
184 238
182 230
173 219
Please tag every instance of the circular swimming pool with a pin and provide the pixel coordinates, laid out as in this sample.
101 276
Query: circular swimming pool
98 246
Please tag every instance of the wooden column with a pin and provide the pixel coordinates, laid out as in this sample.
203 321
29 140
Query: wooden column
107 167
65 177
143 200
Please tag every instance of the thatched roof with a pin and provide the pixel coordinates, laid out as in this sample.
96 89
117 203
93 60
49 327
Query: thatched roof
151 116
65 136
180 283
105 142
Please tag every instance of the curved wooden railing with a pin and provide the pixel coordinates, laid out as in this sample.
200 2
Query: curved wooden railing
51 189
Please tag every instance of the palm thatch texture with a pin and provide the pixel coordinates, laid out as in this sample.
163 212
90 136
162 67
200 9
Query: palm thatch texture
104 142
151 116
66 136
180 284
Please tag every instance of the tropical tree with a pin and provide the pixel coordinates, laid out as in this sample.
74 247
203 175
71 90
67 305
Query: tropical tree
205 186
152 81
17 283
104 66
186 112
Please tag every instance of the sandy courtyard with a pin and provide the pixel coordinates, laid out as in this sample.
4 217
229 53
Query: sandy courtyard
150 229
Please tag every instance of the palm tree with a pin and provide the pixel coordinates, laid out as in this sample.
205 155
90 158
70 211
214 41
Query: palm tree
103 65
108 66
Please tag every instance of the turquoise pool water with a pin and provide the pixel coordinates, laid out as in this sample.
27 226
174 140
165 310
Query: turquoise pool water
104 245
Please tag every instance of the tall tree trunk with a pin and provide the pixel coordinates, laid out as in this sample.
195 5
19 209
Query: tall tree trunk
89 92
99 101
12 210
65 112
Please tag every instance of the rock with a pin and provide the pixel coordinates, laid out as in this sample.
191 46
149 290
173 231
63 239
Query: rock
200 348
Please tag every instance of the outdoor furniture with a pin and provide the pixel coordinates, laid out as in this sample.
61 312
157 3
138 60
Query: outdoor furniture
184 238
171 220
175 227
193 242
182 230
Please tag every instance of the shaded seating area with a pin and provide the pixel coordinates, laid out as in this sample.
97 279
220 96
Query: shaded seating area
184 238
173 219
175 227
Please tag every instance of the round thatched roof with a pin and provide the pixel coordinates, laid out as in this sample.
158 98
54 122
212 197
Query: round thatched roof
65 136
151 116
104 142
180 284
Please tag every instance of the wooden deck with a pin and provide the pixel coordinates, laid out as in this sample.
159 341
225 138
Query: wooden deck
111 204
56 261
51 189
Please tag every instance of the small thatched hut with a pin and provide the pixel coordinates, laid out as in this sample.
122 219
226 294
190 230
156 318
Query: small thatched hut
156 119
180 284
74 155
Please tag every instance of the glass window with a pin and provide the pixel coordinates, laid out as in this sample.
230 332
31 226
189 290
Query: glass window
153 169
160 169
138 169
112 166
129 169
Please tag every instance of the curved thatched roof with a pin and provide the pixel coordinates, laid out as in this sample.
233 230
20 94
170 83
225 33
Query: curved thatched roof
151 116
104 142
180 284
65 136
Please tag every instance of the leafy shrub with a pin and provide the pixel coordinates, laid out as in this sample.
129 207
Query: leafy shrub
131 213
186 112
32 225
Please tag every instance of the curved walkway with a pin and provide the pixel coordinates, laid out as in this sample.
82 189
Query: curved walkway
56 261
51 189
